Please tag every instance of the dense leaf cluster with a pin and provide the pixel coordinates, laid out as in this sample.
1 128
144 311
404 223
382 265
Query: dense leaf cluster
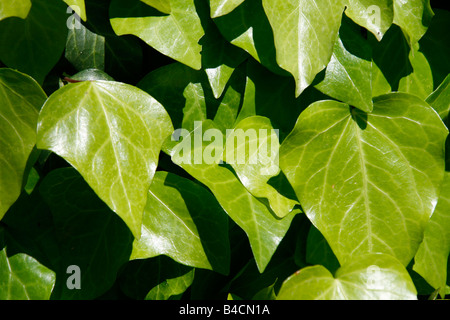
102 104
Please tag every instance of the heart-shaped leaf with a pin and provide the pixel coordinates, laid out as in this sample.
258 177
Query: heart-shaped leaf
369 277
356 177
20 101
112 134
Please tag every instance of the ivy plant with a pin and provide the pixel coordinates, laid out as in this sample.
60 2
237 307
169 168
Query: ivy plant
224 149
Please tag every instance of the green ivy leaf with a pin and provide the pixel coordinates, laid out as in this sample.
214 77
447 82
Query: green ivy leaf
112 134
161 5
79 7
18 8
89 234
175 35
305 32
263 229
356 177
24 278
35 44
432 255
374 15
260 160
184 221
223 7
369 277
348 76
20 101
440 99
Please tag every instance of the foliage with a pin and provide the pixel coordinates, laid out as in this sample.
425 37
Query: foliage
120 124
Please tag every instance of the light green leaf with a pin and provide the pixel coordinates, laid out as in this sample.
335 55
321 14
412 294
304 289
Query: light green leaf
14 8
171 287
35 44
305 32
440 99
369 277
24 278
161 5
420 81
348 76
85 49
79 7
413 17
176 35
223 7
356 177
112 134
184 221
431 258
20 100
252 150
374 15
263 229
89 235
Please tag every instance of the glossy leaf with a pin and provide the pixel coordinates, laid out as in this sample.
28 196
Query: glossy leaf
17 8
24 278
161 5
20 101
413 17
374 15
112 134
184 221
350 67
440 99
356 178
263 229
223 7
305 32
431 258
175 35
35 44
79 7
90 236
85 49
420 81
369 277
252 149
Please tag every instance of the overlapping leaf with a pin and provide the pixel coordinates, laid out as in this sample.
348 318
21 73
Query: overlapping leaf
357 178
17 8
112 134
370 277
20 101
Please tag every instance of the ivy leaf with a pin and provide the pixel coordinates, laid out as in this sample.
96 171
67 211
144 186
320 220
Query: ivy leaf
223 7
413 17
24 278
161 5
20 101
432 255
350 67
263 229
89 234
259 161
356 177
420 81
369 277
35 44
79 7
374 15
440 99
305 32
184 221
18 8
112 134
85 49
175 35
